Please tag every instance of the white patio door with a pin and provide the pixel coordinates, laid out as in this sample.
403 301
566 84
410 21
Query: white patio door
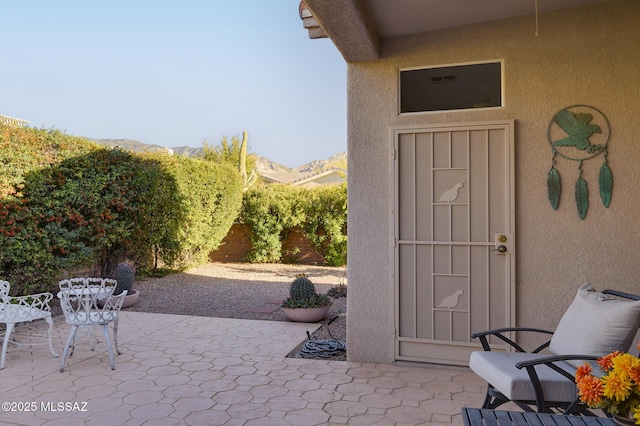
454 238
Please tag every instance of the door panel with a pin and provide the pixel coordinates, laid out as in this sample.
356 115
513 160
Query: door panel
453 194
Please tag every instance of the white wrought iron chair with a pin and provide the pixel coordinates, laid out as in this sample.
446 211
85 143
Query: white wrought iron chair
595 324
89 302
20 309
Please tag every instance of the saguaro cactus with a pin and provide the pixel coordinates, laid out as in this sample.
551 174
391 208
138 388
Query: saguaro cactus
247 181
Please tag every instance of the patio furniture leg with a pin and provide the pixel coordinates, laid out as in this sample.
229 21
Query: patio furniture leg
70 342
493 398
487 399
105 329
115 336
93 338
7 335
50 337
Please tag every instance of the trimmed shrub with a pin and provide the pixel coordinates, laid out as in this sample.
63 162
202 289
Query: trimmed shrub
325 224
96 208
101 206
268 210
212 200
24 150
272 211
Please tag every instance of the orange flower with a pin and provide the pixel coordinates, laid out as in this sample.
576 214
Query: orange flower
606 361
616 386
634 374
583 371
618 391
590 390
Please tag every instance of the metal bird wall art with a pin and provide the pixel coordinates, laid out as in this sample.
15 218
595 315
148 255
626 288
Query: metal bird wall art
578 128
450 195
573 126
452 300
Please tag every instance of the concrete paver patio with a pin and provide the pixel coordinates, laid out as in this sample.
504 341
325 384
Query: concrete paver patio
187 370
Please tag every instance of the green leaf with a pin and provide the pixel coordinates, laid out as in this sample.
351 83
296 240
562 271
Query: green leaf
553 188
606 185
582 195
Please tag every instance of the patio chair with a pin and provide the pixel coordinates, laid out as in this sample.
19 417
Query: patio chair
595 324
89 302
14 310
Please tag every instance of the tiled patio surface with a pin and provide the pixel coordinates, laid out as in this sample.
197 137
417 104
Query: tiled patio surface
185 370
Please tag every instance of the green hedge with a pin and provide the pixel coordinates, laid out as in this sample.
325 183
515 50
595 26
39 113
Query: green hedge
24 149
272 211
212 201
325 224
74 203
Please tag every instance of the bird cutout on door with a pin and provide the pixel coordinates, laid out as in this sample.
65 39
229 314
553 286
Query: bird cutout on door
573 134
451 301
450 195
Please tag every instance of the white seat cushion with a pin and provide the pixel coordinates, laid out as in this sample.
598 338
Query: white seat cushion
499 369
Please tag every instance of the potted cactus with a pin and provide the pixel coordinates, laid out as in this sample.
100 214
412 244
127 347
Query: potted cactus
125 275
303 303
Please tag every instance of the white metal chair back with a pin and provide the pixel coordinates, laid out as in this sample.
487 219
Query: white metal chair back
19 309
23 308
89 302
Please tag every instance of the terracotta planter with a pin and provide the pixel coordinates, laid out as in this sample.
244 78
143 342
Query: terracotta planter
306 314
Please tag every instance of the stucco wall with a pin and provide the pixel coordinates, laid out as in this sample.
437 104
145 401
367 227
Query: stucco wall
588 55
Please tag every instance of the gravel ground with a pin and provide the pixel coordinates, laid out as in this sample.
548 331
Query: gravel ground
241 290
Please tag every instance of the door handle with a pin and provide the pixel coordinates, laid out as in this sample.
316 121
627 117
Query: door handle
503 244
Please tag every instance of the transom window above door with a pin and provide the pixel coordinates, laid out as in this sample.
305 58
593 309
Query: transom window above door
451 87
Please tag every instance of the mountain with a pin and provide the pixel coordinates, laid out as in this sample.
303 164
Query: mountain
263 165
188 151
131 145
337 161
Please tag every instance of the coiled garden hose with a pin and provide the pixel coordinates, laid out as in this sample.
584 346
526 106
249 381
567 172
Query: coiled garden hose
324 348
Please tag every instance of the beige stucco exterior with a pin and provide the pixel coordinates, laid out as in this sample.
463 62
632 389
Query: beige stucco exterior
588 55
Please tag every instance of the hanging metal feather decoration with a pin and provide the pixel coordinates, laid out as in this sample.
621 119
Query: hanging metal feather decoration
553 187
606 184
582 197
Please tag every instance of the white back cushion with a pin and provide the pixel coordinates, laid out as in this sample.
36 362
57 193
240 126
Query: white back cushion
595 324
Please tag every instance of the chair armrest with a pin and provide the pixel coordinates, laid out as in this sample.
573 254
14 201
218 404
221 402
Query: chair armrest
555 358
498 332
550 361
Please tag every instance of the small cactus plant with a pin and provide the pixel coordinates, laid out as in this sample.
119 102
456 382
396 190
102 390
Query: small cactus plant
125 275
302 294
302 288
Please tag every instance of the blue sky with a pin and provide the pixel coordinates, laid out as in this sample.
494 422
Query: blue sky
175 73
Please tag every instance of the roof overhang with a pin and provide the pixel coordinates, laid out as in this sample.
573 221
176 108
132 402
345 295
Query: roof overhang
357 27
